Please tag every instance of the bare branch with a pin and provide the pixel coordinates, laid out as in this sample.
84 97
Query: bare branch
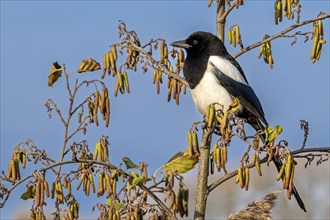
203 172
280 34
264 160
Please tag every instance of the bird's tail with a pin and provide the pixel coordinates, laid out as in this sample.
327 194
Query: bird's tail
256 124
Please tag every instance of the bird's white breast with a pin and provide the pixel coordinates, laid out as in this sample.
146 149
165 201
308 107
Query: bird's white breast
209 91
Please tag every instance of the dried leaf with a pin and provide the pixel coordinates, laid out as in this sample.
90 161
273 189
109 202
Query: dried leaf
55 73
88 65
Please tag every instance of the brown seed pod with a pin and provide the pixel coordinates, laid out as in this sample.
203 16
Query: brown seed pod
114 53
59 191
241 177
218 158
288 170
258 167
105 67
169 89
37 194
46 187
190 144
126 81
224 156
100 189
32 214
247 178
195 142
15 169
10 169
291 183
209 3
107 117
53 191
114 187
174 85
179 202
109 185
112 63
211 116
212 163
42 192
280 173
180 55
69 188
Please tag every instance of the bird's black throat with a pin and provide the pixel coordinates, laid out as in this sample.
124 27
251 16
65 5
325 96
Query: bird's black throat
194 73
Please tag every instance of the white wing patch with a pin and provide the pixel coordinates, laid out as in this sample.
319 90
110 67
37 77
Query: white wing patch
227 68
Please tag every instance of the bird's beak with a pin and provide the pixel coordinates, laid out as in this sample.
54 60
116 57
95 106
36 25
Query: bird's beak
181 43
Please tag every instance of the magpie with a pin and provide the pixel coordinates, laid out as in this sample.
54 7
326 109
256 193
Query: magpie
214 76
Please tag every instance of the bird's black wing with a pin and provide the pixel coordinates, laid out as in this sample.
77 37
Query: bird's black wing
243 92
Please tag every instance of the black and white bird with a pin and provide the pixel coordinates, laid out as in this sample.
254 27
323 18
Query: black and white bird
214 76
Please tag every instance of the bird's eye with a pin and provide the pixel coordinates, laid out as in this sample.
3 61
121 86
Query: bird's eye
195 42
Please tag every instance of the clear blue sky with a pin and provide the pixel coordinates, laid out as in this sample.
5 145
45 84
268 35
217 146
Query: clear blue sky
144 126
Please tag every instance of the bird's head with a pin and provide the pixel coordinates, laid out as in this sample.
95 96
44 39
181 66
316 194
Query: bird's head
201 42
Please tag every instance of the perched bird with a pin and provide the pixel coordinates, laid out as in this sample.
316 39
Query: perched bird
214 76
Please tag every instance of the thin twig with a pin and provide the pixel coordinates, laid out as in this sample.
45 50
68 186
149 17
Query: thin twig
57 110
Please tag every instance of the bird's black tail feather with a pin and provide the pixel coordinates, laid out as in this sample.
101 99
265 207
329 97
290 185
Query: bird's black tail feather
278 163
256 124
